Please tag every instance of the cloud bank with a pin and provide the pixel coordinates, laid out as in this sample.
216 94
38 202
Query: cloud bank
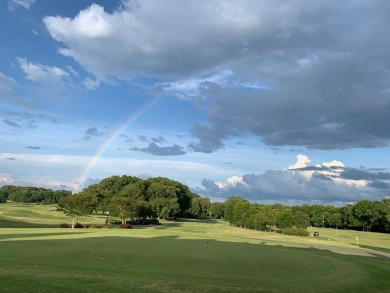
327 183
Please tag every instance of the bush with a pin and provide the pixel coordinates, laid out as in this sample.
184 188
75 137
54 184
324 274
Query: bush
296 231
114 222
64 225
78 225
93 226
126 226
144 222
136 222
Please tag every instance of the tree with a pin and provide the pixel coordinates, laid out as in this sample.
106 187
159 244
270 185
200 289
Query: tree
199 207
285 220
301 219
123 207
217 209
229 208
3 196
367 213
165 208
241 213
77 205
161 187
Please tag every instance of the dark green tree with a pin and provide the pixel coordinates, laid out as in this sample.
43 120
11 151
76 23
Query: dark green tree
77 205
285 220
217 209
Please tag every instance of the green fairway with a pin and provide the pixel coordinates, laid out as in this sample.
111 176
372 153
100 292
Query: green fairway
186 256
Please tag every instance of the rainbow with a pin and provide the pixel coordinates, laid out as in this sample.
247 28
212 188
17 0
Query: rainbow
113 135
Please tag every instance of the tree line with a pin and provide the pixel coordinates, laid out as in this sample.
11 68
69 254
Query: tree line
131 198
31 194
364 215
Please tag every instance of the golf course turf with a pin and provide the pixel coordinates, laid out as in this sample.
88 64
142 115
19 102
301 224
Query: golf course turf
186 256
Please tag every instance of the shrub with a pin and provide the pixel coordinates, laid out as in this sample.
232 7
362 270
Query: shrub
64 225
78 225
126 226
114 222
296 231
144 222
94 226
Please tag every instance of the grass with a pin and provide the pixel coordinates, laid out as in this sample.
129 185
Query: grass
187 256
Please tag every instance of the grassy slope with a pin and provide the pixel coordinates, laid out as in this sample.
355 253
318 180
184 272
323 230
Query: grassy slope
176 257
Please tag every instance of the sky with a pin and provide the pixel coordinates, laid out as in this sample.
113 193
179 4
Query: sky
275 101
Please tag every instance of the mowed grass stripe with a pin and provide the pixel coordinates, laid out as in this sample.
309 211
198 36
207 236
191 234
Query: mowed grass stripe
179 262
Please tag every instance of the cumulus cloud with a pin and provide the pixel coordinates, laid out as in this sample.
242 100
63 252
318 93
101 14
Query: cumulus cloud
321 65
321 183
14 4
154 149
152 38
5 179
302 161
44 74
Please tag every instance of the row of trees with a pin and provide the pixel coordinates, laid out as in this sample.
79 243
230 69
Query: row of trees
31 194
131 198
363 215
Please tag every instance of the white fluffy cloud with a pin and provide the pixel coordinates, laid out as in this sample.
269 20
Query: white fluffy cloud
169 38
42 73
302 161
5 179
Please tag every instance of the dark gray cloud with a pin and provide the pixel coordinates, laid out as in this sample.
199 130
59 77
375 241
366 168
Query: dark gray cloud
33 147
158 139
210 137
11 159
11 123
364 174
92 132
154 149
378 184
143 138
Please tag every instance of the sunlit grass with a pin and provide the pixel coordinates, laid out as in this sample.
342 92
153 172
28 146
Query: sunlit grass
181 256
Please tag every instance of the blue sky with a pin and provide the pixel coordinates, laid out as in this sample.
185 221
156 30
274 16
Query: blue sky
276 101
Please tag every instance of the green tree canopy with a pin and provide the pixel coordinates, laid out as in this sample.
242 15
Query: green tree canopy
77 205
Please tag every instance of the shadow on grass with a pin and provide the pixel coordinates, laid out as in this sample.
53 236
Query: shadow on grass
4 223
382 249
32 235
206 221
